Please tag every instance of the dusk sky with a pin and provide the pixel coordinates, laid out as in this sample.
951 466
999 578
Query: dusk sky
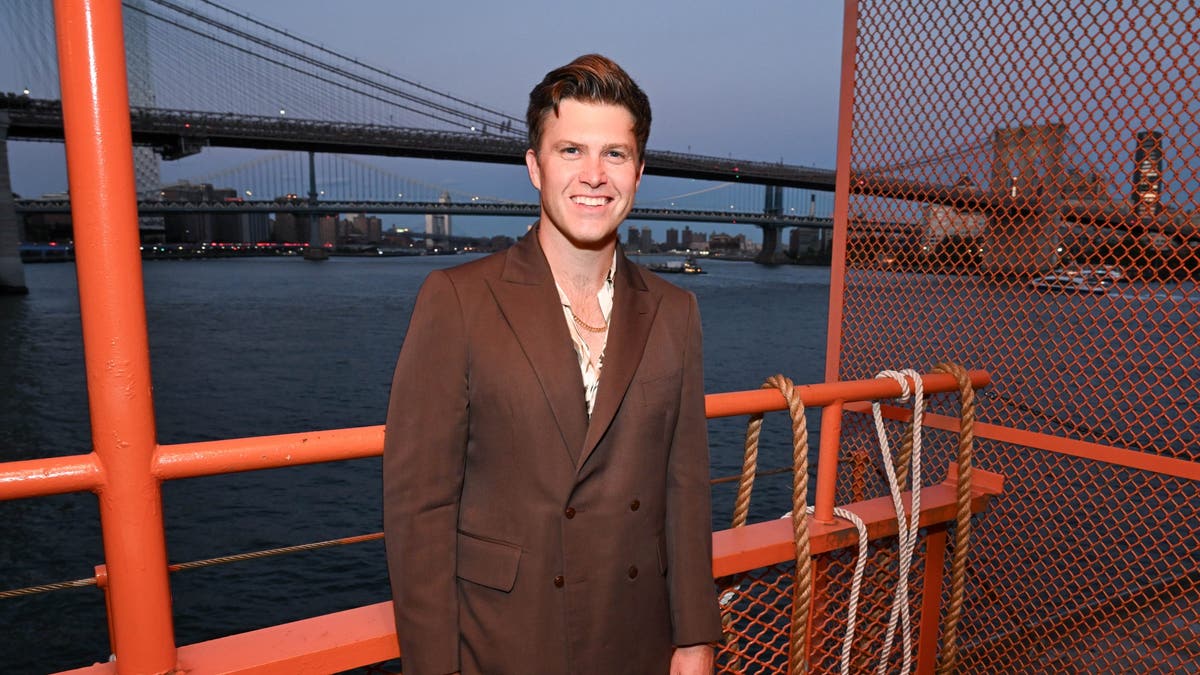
755 80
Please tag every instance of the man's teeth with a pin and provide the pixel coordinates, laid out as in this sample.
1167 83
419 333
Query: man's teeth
590 201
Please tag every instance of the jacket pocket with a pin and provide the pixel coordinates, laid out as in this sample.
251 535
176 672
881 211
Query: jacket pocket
488 562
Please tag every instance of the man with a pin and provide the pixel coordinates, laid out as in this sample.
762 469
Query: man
546 499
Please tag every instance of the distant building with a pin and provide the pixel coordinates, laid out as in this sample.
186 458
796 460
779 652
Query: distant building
647 240
327 228
633 239
805 241
362 228
287 229
942 221
672 242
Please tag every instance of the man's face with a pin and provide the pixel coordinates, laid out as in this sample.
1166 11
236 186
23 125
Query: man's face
587 171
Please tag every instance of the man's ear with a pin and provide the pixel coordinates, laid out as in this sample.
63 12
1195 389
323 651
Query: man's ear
535 171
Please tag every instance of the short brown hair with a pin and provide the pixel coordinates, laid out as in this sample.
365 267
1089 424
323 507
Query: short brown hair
591 78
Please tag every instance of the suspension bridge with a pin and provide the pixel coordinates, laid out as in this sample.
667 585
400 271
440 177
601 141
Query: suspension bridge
204 76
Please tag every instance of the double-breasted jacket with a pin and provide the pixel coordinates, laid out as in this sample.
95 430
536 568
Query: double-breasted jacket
522 536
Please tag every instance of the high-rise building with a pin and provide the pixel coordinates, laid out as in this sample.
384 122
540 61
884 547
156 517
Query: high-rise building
647 240
633 239
672 239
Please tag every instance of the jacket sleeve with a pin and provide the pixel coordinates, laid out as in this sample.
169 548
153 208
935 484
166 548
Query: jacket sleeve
423 459
695 617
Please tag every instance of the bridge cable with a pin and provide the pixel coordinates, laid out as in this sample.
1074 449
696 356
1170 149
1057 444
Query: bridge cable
368 66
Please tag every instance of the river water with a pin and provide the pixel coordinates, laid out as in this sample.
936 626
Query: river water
278 345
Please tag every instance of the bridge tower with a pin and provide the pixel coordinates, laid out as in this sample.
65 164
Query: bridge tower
12 275
771 252
438 224
1027 172
146 162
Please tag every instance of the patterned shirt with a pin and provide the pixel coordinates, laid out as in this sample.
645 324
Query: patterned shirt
590 371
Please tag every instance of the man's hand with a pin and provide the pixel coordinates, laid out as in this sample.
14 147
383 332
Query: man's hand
692 660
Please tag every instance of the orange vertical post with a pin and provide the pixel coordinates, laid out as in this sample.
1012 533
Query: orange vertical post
91 56
841 195
931 599
827 461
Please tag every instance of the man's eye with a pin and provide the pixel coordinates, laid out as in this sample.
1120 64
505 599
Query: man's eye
617 155
570 151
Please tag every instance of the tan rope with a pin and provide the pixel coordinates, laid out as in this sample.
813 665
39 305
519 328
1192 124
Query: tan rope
802 588
948 659
741 512
741 504
195 564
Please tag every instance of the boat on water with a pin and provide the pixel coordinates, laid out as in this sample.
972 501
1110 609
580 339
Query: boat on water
1070 481
1075 283
688 266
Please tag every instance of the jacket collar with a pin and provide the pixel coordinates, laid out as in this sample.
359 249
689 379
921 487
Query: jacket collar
529 301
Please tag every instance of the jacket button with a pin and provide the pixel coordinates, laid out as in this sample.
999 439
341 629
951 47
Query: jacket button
634 505
569 512
632 571
559 581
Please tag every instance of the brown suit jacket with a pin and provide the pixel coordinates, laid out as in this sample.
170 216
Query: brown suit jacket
521 537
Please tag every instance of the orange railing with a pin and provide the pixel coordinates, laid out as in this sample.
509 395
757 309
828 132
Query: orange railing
366 635
1089 562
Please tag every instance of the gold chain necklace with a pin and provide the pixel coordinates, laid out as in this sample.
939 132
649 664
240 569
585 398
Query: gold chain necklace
587 326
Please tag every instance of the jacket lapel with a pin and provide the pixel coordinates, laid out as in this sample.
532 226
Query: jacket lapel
632 315
527 297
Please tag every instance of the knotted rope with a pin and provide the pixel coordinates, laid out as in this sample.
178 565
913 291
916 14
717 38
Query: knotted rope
948 659
898 472
906 534
802 587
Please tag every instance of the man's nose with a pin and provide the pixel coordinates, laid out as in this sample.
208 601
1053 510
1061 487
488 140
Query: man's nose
593 173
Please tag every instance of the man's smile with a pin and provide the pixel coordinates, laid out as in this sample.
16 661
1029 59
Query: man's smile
591 201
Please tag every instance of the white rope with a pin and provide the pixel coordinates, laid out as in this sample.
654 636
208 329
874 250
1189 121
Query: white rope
856 583
907 536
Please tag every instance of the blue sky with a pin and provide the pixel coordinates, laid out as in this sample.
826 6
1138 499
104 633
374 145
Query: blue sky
757 80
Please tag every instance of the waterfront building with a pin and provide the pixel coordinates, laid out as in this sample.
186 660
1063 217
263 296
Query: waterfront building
633 239
672 242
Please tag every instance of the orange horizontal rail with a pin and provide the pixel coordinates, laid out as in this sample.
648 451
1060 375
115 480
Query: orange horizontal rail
763 544
58 475
364 635
50 476
329 643
1123 457
825 393
190 460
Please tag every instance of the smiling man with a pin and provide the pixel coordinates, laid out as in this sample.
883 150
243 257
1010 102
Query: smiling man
546 499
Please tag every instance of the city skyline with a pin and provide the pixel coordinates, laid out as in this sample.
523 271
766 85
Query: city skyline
722 83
